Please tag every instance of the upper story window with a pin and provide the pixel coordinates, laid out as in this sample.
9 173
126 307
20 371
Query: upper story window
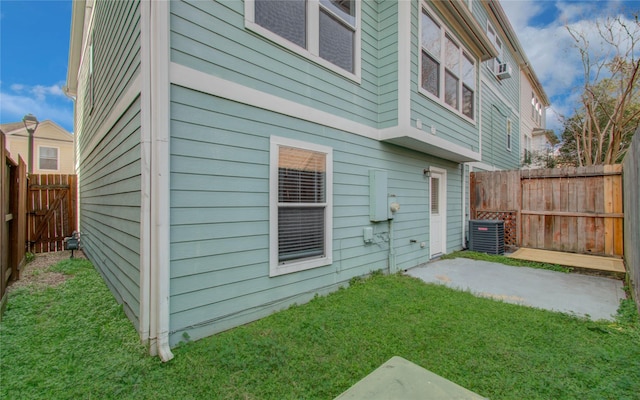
536 109
497 42
48 158
326 31
448 72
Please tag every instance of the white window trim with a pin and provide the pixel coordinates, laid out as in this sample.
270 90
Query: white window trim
463 50
275 268
509 134
313 40
491 64
57 158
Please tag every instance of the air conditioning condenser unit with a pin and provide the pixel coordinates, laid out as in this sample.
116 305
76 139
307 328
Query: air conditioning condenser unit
486 236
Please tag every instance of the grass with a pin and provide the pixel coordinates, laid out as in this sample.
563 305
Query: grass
473 255
74 341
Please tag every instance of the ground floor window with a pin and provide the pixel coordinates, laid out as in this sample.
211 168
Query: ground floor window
300 205
48 158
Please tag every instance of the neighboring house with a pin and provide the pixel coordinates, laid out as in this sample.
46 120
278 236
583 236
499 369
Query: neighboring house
53 147
534 102
239 157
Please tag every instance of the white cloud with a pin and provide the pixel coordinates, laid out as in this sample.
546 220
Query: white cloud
551 49
45 102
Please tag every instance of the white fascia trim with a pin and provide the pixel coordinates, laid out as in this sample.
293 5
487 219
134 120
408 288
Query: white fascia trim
75 47
404 64
145 173
483 166
206 83
160 169
429 139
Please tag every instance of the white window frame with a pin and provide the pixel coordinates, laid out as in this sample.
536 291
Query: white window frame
499 45
275 267
463 53
57 168
509 136
312 51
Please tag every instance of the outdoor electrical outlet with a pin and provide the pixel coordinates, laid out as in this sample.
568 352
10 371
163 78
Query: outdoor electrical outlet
433 129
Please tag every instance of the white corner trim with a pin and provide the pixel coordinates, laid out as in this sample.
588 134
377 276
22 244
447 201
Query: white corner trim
160 190
206 83
404 63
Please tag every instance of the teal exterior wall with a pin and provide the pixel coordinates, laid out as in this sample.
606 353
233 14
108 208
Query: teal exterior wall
210 36
110 209
448 124
495 113
387 70
499 98
220 212
109 156
220 154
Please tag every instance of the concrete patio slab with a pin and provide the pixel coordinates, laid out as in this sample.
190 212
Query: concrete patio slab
402 379
586 296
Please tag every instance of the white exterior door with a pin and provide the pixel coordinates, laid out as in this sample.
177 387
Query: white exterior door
438 214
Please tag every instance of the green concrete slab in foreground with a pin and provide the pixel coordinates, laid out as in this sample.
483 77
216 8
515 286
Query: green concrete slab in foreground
402 379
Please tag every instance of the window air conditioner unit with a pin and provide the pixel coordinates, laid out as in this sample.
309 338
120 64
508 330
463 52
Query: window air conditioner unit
503 71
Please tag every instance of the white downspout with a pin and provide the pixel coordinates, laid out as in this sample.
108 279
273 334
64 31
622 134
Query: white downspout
464 204
160 237
145 174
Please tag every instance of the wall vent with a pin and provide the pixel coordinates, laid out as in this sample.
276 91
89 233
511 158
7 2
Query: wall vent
486 236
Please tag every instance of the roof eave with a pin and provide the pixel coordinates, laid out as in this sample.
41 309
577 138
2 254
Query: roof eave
75 47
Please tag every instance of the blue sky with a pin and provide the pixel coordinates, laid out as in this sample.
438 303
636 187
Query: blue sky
34 47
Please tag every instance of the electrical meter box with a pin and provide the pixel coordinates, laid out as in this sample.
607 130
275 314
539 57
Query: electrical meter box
378 202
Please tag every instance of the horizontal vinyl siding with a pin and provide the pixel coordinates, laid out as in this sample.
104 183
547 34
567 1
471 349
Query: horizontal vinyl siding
116 62
210 36
388 64
448 124
110 208
494 138
220 212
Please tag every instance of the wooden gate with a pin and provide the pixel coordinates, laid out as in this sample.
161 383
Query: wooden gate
52 205
576 210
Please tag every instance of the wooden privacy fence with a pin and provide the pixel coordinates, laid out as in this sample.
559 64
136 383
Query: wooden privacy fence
52 205
576 210
13 232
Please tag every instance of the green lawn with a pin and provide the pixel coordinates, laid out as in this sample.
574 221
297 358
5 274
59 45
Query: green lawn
74 342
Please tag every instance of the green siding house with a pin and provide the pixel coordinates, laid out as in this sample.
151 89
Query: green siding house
237 157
